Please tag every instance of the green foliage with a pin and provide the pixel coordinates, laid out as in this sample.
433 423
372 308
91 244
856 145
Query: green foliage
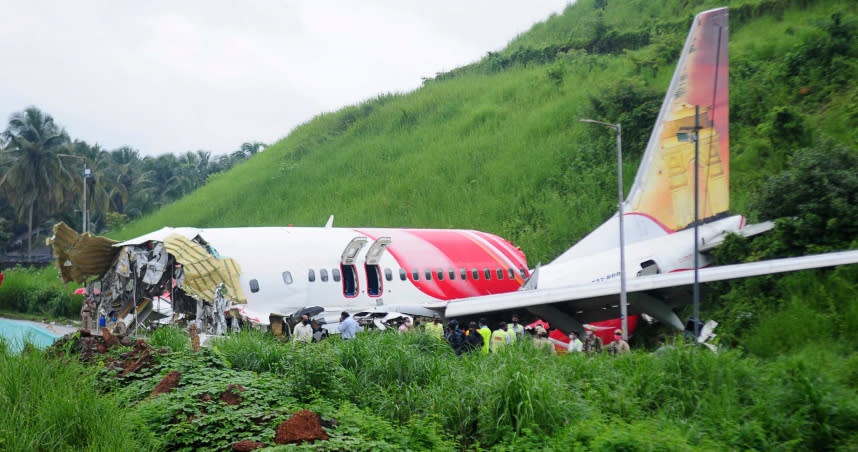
50 404
819 195
39 292
171 337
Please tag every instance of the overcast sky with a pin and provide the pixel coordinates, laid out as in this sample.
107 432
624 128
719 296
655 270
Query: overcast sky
173 76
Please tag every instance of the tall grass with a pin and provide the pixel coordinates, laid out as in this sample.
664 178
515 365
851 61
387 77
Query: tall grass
51 404
38 292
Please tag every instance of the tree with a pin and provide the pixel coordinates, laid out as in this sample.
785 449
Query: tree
36 181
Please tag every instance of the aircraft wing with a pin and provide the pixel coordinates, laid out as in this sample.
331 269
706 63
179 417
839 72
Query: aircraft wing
585 303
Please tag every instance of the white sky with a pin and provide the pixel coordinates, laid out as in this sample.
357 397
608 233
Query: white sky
173 76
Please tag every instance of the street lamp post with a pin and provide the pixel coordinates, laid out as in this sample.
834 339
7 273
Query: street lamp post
623 303
695 136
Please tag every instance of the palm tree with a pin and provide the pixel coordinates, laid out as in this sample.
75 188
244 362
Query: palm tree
35 181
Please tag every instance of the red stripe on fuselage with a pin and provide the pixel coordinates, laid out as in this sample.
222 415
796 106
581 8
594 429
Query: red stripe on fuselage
447 249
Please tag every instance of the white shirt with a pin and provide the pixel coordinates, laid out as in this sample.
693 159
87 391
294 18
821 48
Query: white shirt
302 333
575 345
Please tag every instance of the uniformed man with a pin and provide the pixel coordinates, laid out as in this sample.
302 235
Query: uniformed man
500 338
435 329
592 343
619 346
86 311
486 333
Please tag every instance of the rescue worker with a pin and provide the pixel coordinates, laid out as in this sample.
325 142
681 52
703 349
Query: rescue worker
575 344
592 343
473 340
455 337
435 329
195 337
541 339
86 311
619 346
486 333
515 329
303 332
500 338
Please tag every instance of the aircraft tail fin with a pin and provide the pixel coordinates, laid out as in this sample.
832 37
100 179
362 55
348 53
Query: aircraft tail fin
696 101
661 200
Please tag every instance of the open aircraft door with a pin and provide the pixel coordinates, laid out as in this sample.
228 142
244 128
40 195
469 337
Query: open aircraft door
347 265
373 272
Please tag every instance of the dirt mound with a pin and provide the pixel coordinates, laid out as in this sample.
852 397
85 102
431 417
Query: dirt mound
246 445
168 383
232 395
302 426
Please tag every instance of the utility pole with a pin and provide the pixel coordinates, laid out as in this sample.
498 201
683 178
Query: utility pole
623 301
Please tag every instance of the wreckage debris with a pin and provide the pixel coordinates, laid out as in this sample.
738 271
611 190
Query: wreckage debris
302 426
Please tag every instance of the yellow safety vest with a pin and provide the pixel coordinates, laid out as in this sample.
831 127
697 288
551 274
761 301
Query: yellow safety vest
499 340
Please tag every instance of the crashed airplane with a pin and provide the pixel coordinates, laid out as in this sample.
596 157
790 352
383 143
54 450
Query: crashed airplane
279 271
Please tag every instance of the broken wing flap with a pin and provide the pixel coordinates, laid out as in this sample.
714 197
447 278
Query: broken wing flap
203 271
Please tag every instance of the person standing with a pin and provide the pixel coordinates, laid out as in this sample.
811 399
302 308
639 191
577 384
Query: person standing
516 329
575 344
541 339
348 326
619 346
318 331
592 343
86 311
303 332
473 340
486 333
500 338
455 337
405 326
435 328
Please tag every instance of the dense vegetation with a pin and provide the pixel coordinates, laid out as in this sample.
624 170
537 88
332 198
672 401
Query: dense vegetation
501 138
42 174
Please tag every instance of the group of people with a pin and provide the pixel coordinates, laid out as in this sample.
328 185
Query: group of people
593 344
475 337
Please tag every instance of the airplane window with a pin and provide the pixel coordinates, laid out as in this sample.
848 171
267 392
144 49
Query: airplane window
311 275
511 273
388 275
475 273
428 274
415 274
254 285
287 277
463 273
336 274
452 273
488 273
440 273
323 274
403 275
500 273
523 272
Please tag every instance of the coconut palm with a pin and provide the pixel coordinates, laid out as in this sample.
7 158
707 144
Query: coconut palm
35 181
